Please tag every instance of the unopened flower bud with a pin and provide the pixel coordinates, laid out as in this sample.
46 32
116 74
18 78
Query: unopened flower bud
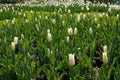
71 59
90 31
49 37
70 31
75 31
105 58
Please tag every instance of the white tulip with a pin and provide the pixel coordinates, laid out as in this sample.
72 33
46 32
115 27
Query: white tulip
71 59
63 23
84 16
49 37
105 48
69 11
105 58
109 9
15 40
117 15
82 8
75 31
98 26
26 20
13 45
24 15
78 18
13 22
68 39
95 19
90 31
40 17
49 52
48 30
22 36
70 31
53 21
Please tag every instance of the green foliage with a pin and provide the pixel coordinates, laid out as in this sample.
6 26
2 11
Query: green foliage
31 59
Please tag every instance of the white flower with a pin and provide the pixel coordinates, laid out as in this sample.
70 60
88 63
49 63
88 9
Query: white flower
15 40
31 11
98 26
109 9
22 36
78 18
105 48
105 58
90 31
7 21
82 8
84 16
13 22
13 45
53 21
40 17
36 19
70 31
37 27
63 23
87 8
68 39
49 37
95 19
71 59
48 30
69 11
75 31
117 15
1 10
24 15
26 20
49 52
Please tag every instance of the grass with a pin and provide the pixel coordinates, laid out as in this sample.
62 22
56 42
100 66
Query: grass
35 58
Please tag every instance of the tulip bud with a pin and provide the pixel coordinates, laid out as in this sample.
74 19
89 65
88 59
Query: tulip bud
95 19
98 26
26 20
13 45
22 36
53 21
37 27
24 15
69 11
84 16
15 40
105 58
109 9
82 8
78 18
68 39
63 23
105 48
70 31
13 22
75 31
49 37
117 15
90 31
48 30
49 52
71 59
